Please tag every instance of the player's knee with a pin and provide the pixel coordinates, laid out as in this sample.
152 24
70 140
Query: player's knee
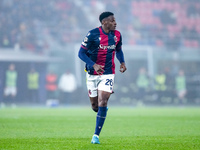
103 103
95 109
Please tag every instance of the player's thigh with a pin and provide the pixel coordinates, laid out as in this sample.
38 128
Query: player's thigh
103 98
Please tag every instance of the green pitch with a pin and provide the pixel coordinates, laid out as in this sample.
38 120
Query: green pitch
124 129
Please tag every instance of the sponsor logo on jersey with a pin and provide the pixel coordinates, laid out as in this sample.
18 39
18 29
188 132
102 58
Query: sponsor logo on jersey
101 46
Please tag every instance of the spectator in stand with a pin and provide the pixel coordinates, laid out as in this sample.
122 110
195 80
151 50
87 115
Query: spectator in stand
172 42
10 90
160 85
33 85
180 86
142 83
51 85
44 22
192 11
168 17
5 42
67 86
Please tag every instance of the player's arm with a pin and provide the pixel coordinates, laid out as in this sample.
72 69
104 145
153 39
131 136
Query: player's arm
83 56
86 44
120 57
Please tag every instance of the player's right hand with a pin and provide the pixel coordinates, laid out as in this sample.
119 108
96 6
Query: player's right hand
99 69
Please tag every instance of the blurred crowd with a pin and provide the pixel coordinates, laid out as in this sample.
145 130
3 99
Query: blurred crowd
39 24
36 87
170 86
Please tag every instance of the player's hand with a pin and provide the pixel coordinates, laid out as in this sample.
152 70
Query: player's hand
122 68
99 69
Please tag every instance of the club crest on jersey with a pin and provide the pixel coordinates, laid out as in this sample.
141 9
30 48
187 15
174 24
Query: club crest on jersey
115 38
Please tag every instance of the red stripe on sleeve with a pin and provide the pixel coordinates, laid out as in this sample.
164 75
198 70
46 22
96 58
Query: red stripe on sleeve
84 47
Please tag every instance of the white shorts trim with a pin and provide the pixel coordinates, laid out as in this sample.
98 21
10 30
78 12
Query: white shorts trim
99 82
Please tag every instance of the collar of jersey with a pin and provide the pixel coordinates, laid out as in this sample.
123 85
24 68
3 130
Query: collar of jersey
104 31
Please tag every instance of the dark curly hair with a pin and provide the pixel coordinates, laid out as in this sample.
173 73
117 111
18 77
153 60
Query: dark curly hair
105 15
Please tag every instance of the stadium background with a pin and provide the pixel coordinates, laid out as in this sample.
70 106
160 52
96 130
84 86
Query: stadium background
157 34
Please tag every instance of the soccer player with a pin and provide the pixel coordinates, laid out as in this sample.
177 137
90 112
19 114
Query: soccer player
98 51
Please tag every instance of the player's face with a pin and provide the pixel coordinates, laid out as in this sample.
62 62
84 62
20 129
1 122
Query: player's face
111 23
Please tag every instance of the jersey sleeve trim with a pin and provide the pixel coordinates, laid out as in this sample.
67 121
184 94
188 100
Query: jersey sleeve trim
84 47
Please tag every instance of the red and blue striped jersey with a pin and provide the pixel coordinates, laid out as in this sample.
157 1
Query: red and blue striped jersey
101 49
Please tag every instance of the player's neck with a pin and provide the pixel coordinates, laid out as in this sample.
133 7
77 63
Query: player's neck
105 30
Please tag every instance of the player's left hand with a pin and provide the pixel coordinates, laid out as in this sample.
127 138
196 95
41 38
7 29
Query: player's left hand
122 67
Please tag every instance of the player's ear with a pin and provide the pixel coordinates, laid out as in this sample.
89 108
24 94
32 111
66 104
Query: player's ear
103 21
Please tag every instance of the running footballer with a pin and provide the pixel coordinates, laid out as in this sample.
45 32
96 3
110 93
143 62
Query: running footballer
98 51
